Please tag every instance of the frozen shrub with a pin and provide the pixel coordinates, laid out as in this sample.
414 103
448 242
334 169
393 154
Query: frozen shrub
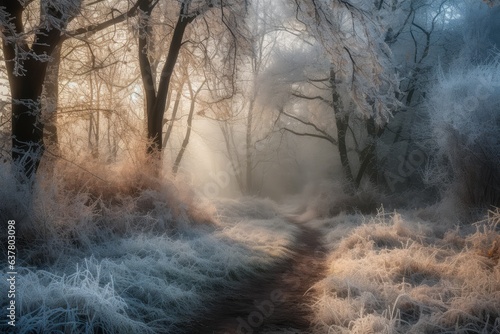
464 113
327 199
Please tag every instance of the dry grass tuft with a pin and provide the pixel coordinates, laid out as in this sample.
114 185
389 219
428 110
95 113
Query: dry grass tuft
394 273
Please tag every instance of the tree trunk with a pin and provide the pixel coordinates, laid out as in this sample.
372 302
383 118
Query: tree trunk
50 103
369 161
342 122
155 116
147 74
156 100
26 78
249 186
185 142
171 122
27 127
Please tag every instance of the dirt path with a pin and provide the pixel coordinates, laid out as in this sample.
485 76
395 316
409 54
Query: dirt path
278 301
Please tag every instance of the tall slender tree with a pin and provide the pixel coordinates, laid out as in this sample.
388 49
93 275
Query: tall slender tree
26 63
156 90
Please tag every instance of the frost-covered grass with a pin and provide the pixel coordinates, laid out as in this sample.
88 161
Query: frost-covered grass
395 273
124 252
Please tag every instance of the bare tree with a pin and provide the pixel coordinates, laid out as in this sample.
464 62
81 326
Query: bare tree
193 94
358 99
242 119
351 36
156 93
27 56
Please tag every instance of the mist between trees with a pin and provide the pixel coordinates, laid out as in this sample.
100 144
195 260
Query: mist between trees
258 97
171 165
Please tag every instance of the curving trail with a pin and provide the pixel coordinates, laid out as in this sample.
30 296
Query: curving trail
276 302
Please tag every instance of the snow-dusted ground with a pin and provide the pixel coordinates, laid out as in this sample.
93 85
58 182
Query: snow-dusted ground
140 255
150 282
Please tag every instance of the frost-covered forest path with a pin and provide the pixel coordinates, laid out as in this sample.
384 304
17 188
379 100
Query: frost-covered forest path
278 301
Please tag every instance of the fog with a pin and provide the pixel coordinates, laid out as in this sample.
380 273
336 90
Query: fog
260 166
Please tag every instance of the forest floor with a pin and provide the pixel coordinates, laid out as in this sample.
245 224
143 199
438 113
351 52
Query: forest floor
151 261
383 273
279 301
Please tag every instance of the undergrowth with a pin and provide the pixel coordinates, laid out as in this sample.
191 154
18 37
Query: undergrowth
121 249
396 273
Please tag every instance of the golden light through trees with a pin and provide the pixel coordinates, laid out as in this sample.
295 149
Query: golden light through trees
178 166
